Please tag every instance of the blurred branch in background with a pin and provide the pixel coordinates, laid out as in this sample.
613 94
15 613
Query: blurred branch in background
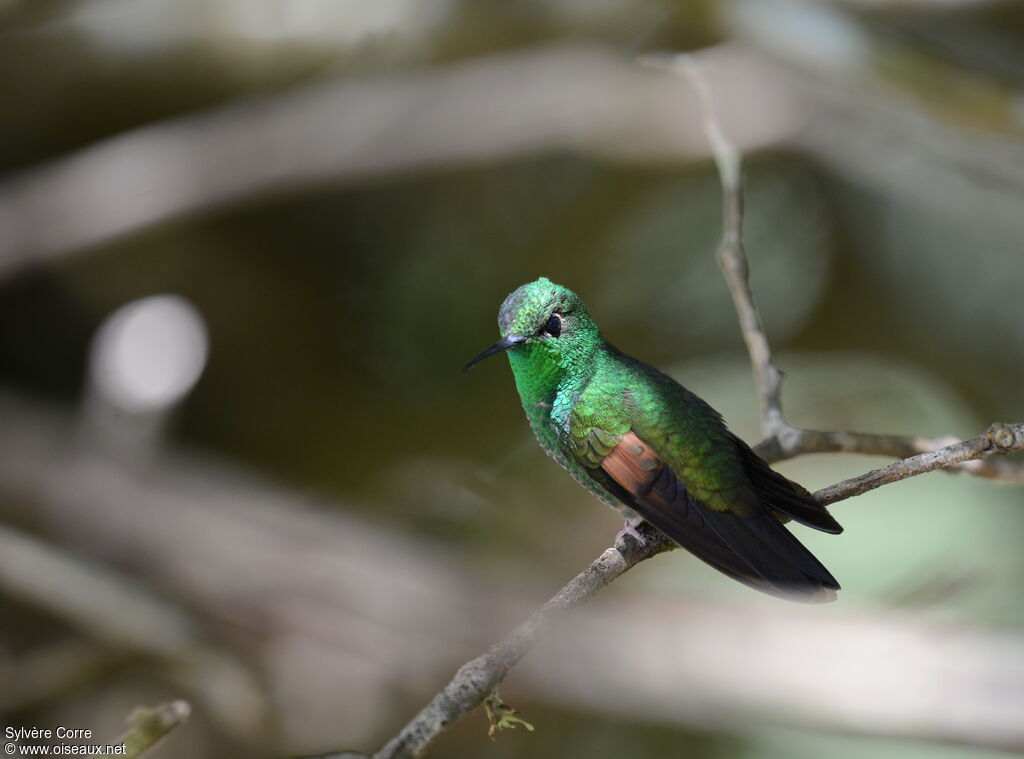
351 131
867 127
491 109
937 5
318 593
118 613
53 670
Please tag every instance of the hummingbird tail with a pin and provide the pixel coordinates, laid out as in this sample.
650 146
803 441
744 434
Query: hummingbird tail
783 495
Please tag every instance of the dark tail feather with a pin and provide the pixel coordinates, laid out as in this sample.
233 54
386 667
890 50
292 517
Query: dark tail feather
783 495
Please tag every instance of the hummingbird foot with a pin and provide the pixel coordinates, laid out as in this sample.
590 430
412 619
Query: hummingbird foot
630 529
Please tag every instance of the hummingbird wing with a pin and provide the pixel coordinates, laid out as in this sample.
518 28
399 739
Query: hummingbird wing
665 453
751 547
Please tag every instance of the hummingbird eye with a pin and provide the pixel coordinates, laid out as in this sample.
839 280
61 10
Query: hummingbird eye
553 327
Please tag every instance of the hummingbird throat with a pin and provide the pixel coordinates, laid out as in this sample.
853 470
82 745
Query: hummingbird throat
546 386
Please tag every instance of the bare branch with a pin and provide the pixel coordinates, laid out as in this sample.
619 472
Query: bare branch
476 679
795 441
731 254
998 440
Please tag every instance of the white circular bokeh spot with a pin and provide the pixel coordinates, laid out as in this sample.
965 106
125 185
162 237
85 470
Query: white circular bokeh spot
148 354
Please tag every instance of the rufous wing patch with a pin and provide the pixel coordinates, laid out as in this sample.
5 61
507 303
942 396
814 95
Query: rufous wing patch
633 465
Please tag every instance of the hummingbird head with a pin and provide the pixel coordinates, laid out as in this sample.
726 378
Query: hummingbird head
546 324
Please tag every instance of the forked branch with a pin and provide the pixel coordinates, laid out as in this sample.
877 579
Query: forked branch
476 680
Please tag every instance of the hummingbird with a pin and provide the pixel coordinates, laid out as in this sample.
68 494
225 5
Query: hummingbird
647 446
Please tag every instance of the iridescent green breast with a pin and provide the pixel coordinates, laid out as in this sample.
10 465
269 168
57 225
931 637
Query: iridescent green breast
550 400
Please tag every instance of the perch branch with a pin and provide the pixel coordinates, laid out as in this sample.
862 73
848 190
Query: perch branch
476 679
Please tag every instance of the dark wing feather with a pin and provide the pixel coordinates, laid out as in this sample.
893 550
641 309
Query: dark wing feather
784 495
756 550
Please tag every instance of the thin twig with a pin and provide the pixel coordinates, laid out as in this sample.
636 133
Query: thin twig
731 254
732 257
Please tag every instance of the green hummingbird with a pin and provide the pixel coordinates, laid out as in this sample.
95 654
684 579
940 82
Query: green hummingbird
647 446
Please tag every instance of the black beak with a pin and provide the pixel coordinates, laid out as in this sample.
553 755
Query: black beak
509 341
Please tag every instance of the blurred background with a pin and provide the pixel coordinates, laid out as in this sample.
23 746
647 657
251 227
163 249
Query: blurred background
246 247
